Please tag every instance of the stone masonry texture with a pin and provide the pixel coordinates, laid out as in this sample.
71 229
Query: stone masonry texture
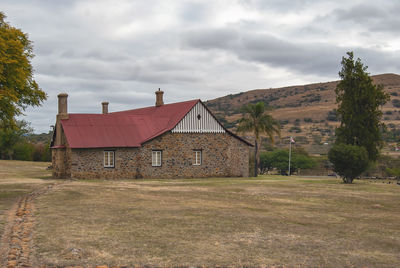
222 156
60 158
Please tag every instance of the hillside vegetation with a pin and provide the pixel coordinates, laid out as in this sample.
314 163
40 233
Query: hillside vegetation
308 112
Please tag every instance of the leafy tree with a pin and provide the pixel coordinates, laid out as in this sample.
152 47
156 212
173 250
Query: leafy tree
279 159
266 161
10 136
24 151
255 119
349 161
300 160
18 89
42 152
359 102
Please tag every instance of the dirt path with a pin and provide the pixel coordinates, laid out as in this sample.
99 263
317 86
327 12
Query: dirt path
16 243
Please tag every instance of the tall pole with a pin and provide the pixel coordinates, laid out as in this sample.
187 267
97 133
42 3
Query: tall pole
290 152
255 159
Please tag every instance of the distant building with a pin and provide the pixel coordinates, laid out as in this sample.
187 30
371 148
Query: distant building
163 141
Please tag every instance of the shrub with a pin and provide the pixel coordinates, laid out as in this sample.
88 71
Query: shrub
295 129
393 172
317 139
349 161
301 139
301 161
390 135
279 159
24 151
385 166
332 115
42 153
308 119
266 161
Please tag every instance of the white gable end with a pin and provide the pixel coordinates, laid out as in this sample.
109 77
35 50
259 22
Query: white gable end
198 120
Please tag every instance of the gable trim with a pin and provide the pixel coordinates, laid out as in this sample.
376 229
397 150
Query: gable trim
198 120
219 123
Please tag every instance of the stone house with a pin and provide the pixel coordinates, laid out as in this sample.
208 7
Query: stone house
163 141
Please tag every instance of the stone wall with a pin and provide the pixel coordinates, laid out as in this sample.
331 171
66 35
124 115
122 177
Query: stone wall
222 155
61 159
88 164
59 162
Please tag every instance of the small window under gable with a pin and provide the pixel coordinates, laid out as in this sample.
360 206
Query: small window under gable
156 158
109 159
197 157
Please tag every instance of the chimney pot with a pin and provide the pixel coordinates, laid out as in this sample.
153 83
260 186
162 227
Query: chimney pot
105 107
159 98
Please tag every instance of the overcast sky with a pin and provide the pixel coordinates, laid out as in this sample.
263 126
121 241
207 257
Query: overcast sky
122 51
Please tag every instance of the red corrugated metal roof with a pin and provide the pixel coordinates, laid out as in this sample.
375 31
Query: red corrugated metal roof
123 129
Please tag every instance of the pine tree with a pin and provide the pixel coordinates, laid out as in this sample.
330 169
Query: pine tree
359 102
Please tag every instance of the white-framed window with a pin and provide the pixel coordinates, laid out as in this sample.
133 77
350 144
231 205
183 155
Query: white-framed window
196 157
109 159
156 158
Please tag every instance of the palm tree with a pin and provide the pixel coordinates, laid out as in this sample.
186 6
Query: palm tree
255 119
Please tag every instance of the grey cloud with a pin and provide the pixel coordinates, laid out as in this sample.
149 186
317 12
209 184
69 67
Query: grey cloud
373 17
360 13
194 12
279 5
210 39
304 57
269 50
118 71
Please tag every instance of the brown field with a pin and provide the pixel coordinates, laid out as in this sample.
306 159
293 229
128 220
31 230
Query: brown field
271 220
18 178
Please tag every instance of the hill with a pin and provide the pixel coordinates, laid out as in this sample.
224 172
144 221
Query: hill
307 112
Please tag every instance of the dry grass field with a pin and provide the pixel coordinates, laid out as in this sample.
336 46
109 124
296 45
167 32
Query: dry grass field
221 221
18 178
271 220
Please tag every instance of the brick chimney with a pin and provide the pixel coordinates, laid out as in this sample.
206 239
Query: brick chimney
105 107
159 98
62 114
62 106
